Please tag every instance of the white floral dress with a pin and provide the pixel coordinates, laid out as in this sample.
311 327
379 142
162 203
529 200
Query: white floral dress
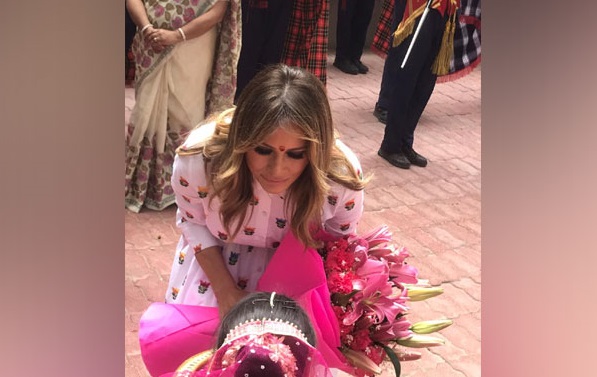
248 254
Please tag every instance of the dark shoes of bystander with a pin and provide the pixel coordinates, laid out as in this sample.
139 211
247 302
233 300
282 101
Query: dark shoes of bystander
380 113
414 158
360 66
352 67
396 159
346 66
403 159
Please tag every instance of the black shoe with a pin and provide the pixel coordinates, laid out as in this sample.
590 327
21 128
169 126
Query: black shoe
396 159
346 66
414 158
360 66
381 114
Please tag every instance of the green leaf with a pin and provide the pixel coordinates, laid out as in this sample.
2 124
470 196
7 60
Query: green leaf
393 358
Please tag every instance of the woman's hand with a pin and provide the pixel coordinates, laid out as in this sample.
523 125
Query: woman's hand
149 40
227 299
163 37
224 287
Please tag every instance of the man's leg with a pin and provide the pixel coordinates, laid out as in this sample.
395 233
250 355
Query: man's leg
344 37
424 88
360 23
383 101
399 131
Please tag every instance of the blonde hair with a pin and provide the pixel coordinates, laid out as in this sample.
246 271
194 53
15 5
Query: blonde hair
277 96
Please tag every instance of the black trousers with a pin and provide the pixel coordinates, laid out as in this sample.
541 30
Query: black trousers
387 77
263 34
410 88
351 28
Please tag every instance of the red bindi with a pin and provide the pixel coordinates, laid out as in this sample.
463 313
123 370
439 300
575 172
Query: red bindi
282 148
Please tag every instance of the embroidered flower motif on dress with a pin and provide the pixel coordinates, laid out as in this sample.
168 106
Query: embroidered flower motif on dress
202 191
349 205
332 199
233 259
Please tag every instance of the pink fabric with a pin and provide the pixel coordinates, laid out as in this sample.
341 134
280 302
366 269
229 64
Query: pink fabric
298 273
171 333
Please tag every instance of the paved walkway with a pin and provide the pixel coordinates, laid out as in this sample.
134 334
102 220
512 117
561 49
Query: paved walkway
434 211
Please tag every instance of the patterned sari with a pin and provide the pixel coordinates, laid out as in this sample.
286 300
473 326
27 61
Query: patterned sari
174 91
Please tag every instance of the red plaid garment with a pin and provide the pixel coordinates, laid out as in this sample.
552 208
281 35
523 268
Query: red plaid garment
467 41
306 42
383 33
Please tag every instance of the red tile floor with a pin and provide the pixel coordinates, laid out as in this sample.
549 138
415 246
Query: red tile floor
434 211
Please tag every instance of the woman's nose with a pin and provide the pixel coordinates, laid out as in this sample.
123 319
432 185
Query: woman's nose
276 165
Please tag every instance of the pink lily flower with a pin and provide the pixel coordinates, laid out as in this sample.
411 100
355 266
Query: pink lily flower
378 236
380 252
389 331
359 250
375 298
403 273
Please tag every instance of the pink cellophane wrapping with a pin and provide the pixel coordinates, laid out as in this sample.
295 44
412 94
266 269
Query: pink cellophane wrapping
171 333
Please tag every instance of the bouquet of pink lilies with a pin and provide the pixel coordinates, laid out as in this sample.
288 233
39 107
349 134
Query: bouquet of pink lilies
370 285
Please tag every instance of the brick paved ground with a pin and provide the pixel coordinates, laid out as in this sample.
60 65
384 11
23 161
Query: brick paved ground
434 211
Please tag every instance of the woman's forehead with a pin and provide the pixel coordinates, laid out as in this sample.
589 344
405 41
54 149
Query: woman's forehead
288 135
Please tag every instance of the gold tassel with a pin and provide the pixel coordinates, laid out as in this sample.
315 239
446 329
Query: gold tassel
406 27
441 65
402 32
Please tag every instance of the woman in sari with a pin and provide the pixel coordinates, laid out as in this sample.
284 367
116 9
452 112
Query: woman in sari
186 52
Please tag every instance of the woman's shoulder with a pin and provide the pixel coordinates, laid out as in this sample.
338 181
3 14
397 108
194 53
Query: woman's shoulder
350 156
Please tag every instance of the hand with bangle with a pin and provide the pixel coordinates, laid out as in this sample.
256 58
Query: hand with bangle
145 31
164 37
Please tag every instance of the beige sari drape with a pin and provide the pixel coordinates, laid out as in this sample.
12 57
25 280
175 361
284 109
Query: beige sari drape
174 91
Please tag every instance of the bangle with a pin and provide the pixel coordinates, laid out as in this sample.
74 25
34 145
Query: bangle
145 28
184 37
